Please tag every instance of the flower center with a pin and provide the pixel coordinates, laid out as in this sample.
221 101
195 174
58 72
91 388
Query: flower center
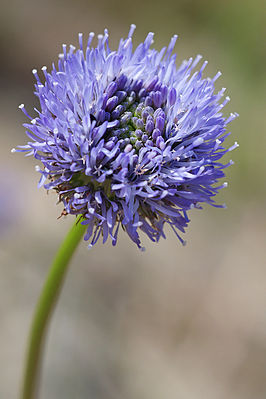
138 113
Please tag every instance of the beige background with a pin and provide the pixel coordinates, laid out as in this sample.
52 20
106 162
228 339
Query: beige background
173 322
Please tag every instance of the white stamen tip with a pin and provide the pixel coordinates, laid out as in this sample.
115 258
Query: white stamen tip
33 121
44 68
34 71
13 150
21 106
225 184
55 130
37 168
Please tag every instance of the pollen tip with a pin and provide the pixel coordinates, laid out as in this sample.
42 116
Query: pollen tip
13 150
21 106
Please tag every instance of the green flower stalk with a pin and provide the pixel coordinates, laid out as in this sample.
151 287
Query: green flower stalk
45 307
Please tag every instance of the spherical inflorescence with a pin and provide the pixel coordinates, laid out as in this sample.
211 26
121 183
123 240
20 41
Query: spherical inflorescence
126 139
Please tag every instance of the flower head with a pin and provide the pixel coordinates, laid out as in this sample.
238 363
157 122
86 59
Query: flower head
127 139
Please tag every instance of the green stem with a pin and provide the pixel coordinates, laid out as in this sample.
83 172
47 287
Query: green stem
44 309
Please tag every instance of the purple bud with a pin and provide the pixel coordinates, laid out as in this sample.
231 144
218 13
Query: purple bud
115 114
139 109
144 137
138 144
107 116
149 126
152 83
140 124
142 92
137 85
132 98
164 91
172 96
134 120
128 148
121 82
157 99
146 112
149 143
120 108
126 118
148 101
159 140
157 112
111 103
156 133
159 123
111 89
138 133
101 116
121 95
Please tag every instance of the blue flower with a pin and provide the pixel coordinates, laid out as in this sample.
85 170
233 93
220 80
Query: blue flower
127 139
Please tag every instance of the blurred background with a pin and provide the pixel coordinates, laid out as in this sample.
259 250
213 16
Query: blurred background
173 322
